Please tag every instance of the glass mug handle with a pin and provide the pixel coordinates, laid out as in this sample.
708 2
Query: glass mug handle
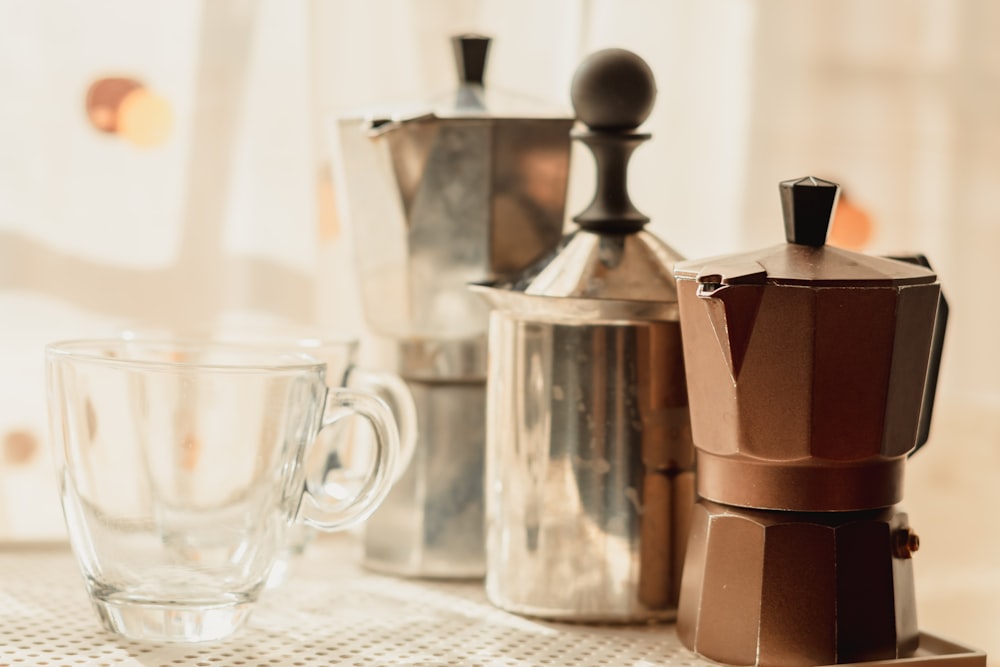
394 391
328 512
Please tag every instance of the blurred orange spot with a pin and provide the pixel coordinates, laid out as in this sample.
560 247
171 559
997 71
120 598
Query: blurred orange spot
19 447
852 227
123 106
90 417
190 451
144 118
103 99
328 223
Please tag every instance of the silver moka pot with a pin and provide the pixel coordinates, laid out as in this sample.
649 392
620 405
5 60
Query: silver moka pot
468 186
590 462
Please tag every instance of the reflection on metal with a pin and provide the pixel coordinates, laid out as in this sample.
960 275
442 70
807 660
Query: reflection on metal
431 524
589 473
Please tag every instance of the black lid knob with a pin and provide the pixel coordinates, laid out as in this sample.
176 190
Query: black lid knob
807 205
470 57
613 92
613 89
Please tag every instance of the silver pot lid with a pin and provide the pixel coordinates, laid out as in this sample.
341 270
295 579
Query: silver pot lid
610 260
594 265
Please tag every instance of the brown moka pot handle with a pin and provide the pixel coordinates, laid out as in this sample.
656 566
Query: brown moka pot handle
934 363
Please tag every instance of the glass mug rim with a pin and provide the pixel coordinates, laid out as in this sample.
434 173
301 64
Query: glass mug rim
254 357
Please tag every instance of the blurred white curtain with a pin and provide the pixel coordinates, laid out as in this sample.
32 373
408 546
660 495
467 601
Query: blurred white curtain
231 222
900 102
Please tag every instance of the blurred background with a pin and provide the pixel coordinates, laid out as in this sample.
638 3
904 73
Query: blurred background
167 166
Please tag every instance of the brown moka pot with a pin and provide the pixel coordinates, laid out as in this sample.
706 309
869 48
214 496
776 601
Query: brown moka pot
808 373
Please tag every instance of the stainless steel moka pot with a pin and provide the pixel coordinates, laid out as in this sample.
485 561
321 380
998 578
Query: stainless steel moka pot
589 473
469 186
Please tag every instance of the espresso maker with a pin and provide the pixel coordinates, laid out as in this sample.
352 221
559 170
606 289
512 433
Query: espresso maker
590 464
469 185
811 375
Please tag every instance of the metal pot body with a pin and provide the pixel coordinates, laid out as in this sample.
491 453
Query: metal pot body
589 468
431 524
435 203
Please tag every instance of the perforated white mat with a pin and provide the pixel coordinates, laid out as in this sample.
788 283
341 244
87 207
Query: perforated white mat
330 612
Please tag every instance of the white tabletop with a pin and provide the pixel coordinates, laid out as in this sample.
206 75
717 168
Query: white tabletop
331 612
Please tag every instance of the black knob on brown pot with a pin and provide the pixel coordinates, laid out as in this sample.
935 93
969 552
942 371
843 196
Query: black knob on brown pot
808 205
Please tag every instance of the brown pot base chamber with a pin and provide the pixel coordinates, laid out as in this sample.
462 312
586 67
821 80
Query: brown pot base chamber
798 587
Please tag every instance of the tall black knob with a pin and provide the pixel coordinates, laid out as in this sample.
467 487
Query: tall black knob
613 93
808 205
613 89
470 57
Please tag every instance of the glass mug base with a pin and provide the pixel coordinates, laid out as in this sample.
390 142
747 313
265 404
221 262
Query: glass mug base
143 620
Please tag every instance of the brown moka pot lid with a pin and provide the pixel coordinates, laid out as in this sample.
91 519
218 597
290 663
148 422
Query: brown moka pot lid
808 205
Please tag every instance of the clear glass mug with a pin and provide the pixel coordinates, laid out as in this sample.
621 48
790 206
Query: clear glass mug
182 469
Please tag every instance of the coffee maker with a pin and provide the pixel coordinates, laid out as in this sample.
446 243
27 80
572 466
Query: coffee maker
590 464
811 376
464 187
811 379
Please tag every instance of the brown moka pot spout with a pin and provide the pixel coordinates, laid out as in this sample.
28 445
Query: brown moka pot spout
732 313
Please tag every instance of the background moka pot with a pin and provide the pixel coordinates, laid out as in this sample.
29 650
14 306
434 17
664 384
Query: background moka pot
589 472
811 375
467 186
